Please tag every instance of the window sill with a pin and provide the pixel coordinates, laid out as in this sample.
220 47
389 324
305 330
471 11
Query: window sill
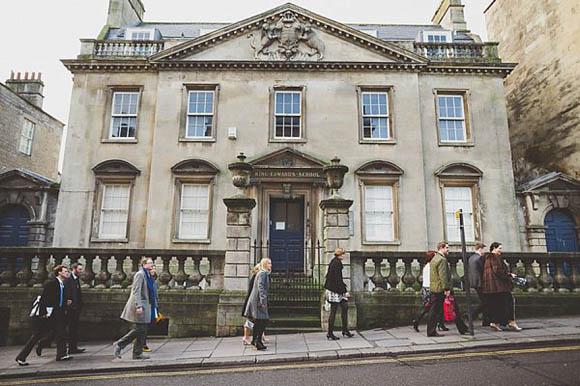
128 140
394 242
199 139
287 140
378 141
109 240
191 241
456 144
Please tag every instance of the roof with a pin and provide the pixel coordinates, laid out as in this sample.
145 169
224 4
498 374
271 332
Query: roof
31 104
387 32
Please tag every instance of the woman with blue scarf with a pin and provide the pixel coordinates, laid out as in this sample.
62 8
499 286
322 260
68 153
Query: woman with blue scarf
140 309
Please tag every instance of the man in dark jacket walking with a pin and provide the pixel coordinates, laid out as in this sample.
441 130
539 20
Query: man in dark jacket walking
475 270
73 286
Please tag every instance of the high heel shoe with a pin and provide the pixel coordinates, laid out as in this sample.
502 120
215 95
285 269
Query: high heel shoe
415 325
331 336
348 334
442 327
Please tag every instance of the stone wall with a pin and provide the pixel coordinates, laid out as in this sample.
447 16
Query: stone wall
543 97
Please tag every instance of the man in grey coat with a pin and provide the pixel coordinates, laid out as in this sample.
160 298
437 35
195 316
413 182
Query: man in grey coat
138 310
475 270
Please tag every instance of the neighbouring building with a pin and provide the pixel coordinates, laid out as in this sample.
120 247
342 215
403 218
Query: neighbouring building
543 107
159 110
30 140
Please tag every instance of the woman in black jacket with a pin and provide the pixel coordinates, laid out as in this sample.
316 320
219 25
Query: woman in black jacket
337 295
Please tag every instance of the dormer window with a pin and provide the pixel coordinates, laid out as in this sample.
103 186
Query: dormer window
437 37
140 34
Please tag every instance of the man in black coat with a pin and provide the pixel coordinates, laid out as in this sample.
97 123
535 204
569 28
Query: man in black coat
73 287
475 270
53 303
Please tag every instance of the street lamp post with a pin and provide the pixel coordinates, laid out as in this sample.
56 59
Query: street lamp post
459 215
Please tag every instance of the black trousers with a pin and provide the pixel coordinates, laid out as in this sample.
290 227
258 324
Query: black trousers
58 325
425 311
139 333
436 312
343 312
73 316
258 331
481 307
40 330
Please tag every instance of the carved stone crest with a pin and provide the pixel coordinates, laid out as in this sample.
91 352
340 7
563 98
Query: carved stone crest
287 39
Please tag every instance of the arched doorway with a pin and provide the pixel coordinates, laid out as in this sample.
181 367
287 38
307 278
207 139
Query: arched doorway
14 226
561 233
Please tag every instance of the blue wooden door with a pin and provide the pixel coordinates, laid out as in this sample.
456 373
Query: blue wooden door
561 233
287 234
14 226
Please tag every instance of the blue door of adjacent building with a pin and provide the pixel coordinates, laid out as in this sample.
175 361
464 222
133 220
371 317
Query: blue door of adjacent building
14 226
287 234
561 233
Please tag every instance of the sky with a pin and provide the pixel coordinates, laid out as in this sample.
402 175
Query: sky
38 33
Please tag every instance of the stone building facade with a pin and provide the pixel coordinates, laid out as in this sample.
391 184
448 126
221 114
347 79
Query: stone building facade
30 140
544 115
160 110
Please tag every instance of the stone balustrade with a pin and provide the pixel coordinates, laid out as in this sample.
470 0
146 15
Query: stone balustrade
544 272
113 268
123 48
478 52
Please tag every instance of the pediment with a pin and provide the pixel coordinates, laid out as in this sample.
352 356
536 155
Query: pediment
551 182
116 167
288 33
24 179
288 158
459 169
195 166
379 168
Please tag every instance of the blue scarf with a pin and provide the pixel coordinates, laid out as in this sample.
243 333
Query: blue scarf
152 293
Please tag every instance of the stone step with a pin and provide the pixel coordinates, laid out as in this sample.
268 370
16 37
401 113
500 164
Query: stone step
278 321
290 330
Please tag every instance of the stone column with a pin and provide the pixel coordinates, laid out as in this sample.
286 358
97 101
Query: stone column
237 265
336 235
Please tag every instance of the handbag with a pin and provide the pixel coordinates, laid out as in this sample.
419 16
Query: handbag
426 296
35 311
449 309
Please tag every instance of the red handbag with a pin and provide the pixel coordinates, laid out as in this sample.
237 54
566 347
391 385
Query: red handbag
449 309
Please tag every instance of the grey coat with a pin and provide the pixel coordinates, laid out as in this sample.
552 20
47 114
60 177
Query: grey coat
257 307
139 298
475 268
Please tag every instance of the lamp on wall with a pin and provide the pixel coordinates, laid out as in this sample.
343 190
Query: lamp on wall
335 176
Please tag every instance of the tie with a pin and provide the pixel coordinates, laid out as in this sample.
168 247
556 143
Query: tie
60 303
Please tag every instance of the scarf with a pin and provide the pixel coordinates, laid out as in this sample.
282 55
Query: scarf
152 293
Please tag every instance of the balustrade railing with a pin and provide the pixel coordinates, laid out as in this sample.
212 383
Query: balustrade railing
127 47
397 271
113 268
458 51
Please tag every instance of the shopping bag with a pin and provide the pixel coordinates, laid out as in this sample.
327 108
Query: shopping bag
449 309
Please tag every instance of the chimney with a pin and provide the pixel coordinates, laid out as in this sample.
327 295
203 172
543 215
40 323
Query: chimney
125 13
450 16
30 88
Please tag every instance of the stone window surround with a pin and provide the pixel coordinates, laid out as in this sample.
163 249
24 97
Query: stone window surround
466 94
471 178
389 89
272 118
108 113
125 174
187 87
387 180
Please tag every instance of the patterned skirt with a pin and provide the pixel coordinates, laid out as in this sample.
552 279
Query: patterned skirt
333 297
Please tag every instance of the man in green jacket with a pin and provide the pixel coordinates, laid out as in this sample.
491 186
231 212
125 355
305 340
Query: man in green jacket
440 287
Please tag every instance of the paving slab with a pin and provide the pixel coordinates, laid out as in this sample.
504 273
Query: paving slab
393 342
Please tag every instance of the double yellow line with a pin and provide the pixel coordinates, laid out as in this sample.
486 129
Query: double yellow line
306 365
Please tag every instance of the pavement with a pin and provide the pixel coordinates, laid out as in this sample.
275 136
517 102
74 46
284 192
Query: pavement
212 352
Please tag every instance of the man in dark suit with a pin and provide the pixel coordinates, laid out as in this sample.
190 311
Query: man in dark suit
53 303
73 286
475 270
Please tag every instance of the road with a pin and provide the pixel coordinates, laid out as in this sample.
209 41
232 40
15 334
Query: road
532 366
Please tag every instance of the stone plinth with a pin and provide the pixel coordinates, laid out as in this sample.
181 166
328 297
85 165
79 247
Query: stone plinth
238 234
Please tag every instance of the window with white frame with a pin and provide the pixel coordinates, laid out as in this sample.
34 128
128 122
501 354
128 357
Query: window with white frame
124 115
451 118
459 197
378 213
139 34
200 114
375 119
287 115
26 137
194 211
114 211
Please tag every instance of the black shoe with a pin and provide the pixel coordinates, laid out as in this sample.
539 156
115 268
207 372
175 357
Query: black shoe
21 362
77 351
64 358
331 336
435 334
39 350
442 327
415 325
348 334
260 346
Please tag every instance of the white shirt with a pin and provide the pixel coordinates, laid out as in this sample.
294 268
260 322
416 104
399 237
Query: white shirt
426 275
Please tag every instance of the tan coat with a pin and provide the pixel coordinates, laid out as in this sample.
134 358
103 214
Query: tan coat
139 298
